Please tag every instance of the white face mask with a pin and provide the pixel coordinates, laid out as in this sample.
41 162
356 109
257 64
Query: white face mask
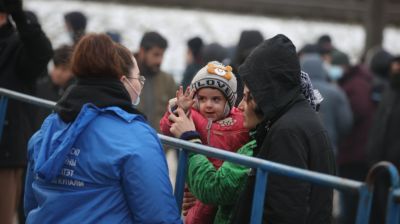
135 101
335 72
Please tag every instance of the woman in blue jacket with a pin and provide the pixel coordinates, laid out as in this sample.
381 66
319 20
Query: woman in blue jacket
96 160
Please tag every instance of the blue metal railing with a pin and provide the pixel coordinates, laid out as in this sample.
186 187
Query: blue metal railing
363 189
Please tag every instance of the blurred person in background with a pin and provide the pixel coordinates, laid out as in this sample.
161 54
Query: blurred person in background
75 23
356 82
160 86
194 60
24 53
249 39
384 141
53 86
378 61
97 150
214 52
115 36
325 42
335 109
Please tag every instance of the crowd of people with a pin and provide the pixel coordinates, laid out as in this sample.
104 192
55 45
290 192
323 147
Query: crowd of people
96 157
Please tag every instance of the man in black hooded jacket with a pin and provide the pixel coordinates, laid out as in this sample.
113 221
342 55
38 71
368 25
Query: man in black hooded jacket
24 53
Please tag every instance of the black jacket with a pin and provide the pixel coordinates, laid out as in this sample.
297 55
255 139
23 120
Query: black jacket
384 138
24 54
291 133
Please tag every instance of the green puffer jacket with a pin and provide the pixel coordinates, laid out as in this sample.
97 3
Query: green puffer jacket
219 187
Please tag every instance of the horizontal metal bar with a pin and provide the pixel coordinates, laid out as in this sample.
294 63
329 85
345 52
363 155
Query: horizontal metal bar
276 168
27 98
272 167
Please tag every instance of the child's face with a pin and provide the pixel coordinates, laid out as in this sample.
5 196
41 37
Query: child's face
211 103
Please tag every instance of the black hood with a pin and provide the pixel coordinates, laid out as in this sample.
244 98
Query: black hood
102 92
272 74
380 63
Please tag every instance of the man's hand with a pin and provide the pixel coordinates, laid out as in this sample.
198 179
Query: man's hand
180 123
184 100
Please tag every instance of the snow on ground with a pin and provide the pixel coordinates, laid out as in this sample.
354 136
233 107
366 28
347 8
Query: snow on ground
178 25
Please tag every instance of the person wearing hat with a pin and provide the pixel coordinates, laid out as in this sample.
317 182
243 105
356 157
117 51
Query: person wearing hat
285 128
25 51
352 163
210 100
249 39
75 23
193 59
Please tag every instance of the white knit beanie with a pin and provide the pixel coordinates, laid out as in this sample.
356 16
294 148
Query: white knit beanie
218 76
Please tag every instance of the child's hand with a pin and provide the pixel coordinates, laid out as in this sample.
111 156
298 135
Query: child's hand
184 100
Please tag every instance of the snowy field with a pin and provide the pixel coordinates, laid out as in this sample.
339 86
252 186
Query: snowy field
178 25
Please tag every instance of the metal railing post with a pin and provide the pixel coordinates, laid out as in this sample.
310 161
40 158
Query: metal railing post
364 205
3 111
393 206
180 178
373 173
259 196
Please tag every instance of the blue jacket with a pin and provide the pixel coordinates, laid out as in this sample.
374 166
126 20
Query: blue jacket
107 166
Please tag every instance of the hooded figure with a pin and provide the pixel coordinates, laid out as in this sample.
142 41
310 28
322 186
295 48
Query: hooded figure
249 39
76 25
335 111
290 133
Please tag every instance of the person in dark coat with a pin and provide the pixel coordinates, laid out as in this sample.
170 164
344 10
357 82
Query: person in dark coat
290 133
335 110
75 23
24 53
249 39
193 59
53 86
352 151
383 143
286 129
378 61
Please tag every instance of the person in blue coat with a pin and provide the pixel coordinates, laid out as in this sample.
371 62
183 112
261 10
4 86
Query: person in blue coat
96 159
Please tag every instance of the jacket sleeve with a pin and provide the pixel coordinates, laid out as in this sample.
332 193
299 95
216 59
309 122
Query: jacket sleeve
343 116
360 105
165 124
146 183
35 51
218 187
375 144
29 199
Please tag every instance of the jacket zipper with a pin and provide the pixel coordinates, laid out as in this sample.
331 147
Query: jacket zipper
209 123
